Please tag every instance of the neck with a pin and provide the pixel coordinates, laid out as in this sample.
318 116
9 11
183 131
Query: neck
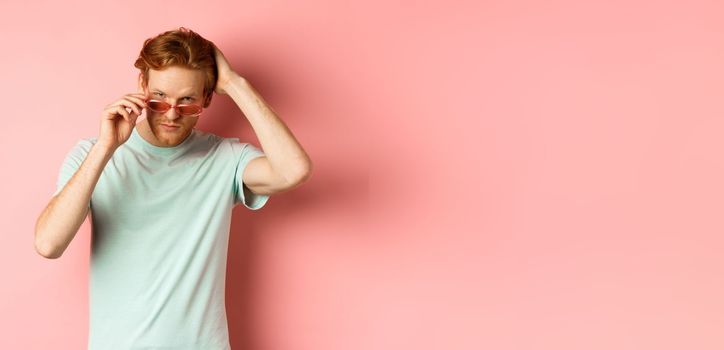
144 130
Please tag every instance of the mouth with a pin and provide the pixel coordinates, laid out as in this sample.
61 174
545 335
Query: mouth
170 127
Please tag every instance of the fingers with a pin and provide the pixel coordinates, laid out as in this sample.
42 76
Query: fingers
140 99
126 103
129 107
113 110
132 101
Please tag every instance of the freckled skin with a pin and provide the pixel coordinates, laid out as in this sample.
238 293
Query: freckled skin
176 83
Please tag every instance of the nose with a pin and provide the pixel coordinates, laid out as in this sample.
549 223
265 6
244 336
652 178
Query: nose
171 114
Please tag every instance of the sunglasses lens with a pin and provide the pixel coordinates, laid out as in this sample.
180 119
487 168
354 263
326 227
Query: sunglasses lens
158 106
162 107
189 109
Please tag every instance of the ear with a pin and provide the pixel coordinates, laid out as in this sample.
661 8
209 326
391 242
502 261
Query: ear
141 87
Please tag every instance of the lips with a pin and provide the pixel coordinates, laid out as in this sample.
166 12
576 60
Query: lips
168 128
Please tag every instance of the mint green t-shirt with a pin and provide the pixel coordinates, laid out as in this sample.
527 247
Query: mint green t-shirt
160 230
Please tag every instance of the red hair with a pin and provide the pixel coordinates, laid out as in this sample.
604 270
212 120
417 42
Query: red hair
181 47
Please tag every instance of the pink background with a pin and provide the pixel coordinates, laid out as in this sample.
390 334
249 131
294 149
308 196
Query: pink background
488 174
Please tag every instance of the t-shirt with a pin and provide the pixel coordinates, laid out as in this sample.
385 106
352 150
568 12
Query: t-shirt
160 230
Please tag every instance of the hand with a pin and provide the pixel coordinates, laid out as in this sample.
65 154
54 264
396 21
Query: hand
224 71
117 122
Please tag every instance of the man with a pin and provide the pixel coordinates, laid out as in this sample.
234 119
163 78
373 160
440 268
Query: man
160 194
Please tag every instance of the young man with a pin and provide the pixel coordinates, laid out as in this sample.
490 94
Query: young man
161 195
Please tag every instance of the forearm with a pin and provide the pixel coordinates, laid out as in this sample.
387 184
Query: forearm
285 154
62 217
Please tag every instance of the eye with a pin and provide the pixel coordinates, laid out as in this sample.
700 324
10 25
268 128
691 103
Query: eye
158 93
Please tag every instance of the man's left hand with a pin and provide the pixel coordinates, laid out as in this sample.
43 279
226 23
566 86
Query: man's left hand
225 73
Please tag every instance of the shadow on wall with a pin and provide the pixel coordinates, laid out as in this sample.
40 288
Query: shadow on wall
339 189
245 245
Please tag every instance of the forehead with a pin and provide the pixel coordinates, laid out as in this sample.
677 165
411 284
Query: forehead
176 80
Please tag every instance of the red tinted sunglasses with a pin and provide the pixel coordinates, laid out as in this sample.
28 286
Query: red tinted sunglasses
186 110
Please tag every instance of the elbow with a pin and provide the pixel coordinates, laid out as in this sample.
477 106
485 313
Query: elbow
45 250
303 174
48 253
296 180
44 246
293 180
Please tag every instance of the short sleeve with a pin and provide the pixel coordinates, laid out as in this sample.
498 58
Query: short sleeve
73 159
243 153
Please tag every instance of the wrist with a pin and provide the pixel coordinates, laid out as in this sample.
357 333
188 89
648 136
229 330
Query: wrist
105 150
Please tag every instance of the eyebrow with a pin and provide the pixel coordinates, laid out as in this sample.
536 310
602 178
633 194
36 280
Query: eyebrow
192 95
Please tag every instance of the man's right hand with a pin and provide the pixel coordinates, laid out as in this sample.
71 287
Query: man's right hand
117 122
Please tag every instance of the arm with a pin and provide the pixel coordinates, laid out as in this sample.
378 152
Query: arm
286 164
60 220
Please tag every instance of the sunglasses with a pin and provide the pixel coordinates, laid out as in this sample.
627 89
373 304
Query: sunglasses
185 110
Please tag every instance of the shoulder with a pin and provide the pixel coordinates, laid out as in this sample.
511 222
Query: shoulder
88 140
231 147
84 145
206 137
231 144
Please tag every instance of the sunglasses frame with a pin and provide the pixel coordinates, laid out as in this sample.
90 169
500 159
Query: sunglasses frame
177 107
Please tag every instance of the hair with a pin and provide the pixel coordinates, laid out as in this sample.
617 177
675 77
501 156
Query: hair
180 47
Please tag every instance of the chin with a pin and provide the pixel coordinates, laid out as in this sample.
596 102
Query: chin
170 138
